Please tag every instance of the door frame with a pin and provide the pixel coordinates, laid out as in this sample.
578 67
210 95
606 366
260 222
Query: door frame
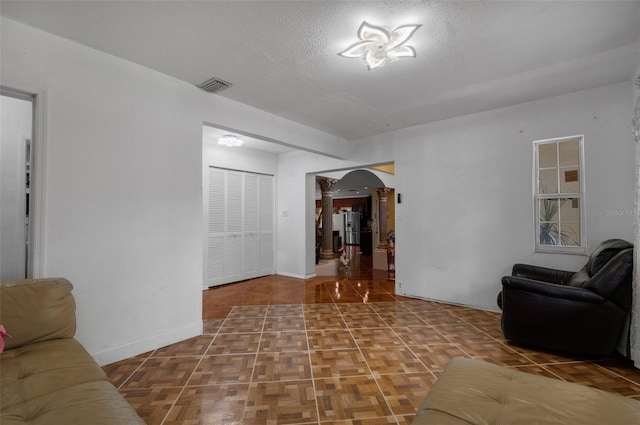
37 189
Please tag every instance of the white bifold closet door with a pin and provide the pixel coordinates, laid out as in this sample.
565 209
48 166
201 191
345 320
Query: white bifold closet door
240 226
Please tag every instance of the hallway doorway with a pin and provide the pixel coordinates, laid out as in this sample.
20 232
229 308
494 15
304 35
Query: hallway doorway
16 165
355 196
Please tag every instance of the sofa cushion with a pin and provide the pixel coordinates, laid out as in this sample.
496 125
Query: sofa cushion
43 368
46 376
473 392
94 403
34 310
58 382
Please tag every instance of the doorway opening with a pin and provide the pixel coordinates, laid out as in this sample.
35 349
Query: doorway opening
238 205
16 188
356 225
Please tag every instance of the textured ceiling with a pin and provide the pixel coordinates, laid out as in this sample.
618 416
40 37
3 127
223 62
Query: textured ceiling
281 56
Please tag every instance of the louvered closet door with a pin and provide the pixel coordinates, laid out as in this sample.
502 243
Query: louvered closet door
250 226
240 226
234 240
216 227
267 208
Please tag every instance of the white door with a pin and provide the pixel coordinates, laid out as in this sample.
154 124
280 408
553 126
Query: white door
251 225
265 238
16 125
234 238
216 227
240 226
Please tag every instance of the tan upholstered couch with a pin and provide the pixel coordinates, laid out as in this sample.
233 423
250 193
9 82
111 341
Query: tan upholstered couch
46 376
472 392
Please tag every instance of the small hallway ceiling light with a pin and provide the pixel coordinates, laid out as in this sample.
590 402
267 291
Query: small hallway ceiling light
379 45
230 140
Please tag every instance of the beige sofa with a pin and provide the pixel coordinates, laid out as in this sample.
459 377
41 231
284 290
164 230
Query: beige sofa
47 377
472 392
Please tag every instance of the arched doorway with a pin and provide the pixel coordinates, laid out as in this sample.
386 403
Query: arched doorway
355 218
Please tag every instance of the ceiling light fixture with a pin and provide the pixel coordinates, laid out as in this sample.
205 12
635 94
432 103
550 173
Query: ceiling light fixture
379 45
230 140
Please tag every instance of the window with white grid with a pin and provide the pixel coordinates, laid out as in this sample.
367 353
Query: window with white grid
559 195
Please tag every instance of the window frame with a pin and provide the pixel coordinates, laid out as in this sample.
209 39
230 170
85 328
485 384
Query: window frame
538 247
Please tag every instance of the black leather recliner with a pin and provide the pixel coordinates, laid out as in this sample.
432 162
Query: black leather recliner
585 312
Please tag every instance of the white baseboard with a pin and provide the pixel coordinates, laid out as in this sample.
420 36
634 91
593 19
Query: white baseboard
296 275
131 349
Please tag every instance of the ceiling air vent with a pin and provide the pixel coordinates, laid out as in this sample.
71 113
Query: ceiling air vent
214 85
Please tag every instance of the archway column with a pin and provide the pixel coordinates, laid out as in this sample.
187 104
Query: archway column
327 187
383 208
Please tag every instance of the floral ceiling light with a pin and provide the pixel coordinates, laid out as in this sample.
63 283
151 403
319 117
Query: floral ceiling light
377 45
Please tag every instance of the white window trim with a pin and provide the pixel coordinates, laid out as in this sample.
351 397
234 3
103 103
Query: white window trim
578 250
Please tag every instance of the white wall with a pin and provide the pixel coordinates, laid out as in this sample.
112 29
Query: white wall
123 200
295 195
467 210
242 159
15 124
467 206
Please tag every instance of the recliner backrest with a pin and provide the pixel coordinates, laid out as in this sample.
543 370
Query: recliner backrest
613 281
597 260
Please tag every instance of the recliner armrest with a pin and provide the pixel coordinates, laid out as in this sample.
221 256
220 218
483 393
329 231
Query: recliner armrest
560 277
550 289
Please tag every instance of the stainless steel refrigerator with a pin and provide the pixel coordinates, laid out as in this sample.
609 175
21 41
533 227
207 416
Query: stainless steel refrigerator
352 228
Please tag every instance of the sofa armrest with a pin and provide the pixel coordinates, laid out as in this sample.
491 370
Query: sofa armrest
35 310
560 277
514 283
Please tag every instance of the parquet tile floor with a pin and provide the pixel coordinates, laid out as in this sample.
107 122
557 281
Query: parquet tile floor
330 351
